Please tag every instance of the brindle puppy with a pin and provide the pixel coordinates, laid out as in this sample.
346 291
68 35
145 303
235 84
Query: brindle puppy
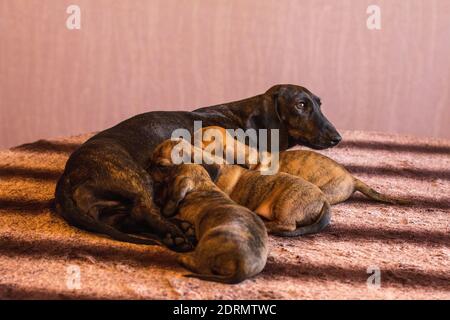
216 138
232 240
332 178
290 205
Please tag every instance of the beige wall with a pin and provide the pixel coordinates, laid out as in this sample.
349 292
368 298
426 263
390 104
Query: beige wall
131 56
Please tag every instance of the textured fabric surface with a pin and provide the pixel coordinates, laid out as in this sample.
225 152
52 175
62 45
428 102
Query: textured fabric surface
40 254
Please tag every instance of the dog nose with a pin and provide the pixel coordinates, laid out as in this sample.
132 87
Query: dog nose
336 139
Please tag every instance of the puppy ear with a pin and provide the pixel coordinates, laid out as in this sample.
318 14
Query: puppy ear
163 162
179 191
213 170
170 208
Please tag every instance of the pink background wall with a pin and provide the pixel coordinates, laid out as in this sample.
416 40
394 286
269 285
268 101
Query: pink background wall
131 56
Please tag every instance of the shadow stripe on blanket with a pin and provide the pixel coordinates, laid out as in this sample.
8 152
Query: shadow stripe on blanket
417 202
394 146
26 205
30 173
48 146
407 277
90 250
403 172
15 291
342 232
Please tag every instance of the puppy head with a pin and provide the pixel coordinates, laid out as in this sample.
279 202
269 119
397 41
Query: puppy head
299 110
162 155
161 161
174 193
180 151
163 178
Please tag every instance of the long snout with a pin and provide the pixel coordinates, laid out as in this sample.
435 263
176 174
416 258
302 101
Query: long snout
334 137
330 136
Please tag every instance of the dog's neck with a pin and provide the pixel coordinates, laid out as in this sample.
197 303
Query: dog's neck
259 112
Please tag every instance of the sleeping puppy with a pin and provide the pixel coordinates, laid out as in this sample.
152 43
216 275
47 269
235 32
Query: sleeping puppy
232 240
332 178
290 205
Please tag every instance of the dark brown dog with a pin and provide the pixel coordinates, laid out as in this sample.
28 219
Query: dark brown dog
232 240
290 205
105 188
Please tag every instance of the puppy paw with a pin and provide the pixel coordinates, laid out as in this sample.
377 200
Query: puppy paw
187 228
176 243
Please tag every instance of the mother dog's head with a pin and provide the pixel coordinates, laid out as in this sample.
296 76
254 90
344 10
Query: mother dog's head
300 113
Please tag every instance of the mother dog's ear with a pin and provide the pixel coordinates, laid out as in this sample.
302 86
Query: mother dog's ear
274 94
276 106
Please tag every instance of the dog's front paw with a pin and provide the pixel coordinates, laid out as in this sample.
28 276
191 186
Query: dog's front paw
177 243
173 236
187 228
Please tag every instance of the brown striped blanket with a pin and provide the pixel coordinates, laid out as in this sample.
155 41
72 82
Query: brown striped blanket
42 257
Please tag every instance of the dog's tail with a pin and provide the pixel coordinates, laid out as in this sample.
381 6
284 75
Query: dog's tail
319 225
67 208
372 194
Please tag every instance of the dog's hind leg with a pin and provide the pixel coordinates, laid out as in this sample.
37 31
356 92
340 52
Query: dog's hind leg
94 201
322 222
279 228
172 236
338 190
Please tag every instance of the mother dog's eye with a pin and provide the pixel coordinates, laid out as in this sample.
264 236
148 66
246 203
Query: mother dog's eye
300 105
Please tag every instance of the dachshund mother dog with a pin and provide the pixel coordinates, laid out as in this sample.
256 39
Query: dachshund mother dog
106 189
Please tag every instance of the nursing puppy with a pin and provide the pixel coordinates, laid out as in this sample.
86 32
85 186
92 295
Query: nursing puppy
219 143
232 240
332 178
290 205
